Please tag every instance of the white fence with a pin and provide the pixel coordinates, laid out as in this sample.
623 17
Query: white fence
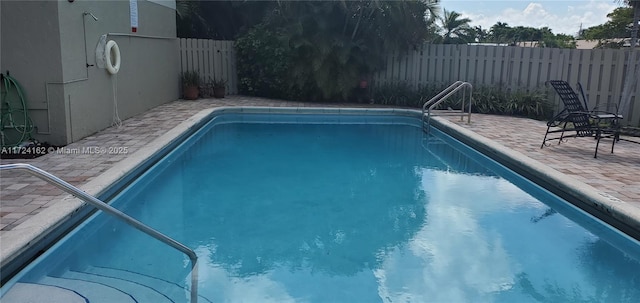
601 72
213 59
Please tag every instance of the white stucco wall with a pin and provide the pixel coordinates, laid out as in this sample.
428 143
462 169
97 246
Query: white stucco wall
31 52
51 42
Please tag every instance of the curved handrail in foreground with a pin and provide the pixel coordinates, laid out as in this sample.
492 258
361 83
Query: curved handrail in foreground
63 185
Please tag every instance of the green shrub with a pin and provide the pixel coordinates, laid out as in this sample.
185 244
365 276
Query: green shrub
265 67
532 104
263 62
190 78
486 99
396 93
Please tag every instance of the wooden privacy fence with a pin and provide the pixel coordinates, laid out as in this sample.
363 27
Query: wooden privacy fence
600 71
213 59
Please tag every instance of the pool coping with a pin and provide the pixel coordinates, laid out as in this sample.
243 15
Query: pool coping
26 235
624 216
610 209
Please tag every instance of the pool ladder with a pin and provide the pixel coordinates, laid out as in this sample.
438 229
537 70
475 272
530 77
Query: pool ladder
61 184
428 108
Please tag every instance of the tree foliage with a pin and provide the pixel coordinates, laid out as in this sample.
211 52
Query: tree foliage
499 33
331 45
618 26
220 20
263 64
455 29
322 50
189 20
541 37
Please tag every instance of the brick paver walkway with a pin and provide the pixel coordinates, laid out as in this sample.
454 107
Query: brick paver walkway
617 174
24 196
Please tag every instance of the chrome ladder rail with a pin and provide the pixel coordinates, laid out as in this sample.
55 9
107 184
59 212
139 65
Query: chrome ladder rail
63 185
429 106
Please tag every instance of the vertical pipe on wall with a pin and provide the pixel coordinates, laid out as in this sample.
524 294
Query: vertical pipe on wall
70 132
84 34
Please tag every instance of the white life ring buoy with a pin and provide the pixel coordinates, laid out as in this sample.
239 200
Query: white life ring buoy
112 67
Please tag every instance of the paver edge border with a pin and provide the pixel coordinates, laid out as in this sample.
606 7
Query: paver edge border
28 233
586 197
606 207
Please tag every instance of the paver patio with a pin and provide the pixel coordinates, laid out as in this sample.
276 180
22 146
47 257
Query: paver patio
23 195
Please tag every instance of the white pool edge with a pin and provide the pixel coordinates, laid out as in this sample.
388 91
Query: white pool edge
25 235
28 233
583 195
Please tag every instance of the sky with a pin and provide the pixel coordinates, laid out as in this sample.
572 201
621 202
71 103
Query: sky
562 17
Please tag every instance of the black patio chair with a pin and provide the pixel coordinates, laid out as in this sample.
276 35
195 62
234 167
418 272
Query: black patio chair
576 118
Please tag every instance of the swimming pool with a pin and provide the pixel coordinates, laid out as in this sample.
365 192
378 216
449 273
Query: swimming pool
327 208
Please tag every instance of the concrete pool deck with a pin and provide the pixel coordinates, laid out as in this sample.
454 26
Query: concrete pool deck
24 196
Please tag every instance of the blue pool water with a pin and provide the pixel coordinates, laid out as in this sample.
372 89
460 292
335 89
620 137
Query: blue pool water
332 209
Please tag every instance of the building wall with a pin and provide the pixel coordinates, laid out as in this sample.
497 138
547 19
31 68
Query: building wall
30 50
47 44
149 72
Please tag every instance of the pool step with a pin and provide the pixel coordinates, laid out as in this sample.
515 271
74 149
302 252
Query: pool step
37 293
173 291
139 291
97 285
170 291
93 292
428 140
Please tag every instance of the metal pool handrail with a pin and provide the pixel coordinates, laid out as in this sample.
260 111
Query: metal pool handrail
439 95
443 95
61 184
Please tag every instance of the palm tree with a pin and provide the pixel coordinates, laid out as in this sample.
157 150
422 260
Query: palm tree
456 29
528 34
480 34
335 43
189 21
499 32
